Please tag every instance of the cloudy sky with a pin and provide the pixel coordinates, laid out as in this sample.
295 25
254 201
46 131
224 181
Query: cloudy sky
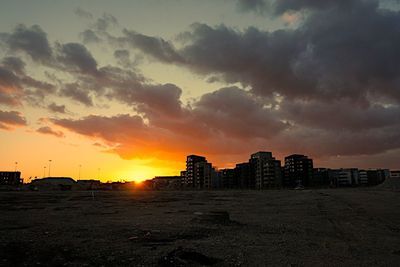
127 89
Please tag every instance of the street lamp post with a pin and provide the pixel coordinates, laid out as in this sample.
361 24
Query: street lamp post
44 171
79 174
16 165
49 166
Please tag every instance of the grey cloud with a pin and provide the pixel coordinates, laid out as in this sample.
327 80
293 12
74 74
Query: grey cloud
105 22
53 107
153 46
279 7
89 36
50 131
336 53
258 6
123 58
9 119
319 142
76 57
74 91
338 116
112 129
31 40
16 85
83 13
237 113
15 64
10 88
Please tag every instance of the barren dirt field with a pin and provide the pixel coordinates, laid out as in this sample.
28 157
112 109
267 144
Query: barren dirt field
332 227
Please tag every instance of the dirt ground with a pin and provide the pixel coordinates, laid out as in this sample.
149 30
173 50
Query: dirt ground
331 227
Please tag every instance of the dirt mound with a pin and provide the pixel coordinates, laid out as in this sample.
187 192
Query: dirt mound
391 183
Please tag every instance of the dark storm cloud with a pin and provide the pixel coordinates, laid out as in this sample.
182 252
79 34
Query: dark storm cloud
16 85
237 114
74 91
9 119
340 51
53 107
258 6
76 57
31 40
321 142
153 46
335 77
112 129
155 99
281 6
50 131
14 64
10 87
340 115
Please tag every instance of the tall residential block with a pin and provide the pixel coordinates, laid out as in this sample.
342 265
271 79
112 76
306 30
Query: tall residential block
191 173
267 170
199 173
298 170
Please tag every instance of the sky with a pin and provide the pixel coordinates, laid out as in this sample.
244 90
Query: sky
124 90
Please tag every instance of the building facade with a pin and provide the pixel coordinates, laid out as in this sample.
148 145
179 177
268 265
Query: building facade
245 176
190 179
10 178
345 177
395 174
298 170
266 170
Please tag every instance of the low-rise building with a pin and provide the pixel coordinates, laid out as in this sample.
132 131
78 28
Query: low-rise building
88 184
395 174
10 178
167 182
228 178
53 183
345 177
245 176
321 177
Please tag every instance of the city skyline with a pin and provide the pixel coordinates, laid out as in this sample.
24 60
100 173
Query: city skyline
125 90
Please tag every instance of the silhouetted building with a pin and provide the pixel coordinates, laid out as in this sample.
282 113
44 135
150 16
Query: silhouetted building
298 170
362 177
191 172
377 176
199 173
53 183
321 177
267 170
167 182
204 175
245 176
228 178
88 184
395 174
345 177
10 178
183 178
